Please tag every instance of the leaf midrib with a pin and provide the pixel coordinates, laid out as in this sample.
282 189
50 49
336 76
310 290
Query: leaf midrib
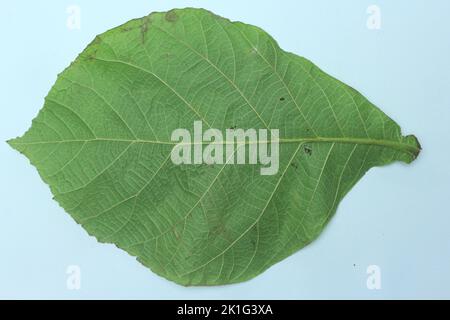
397 145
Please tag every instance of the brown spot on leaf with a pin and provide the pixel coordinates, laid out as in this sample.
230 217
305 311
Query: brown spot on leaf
171 16
308 150
144 28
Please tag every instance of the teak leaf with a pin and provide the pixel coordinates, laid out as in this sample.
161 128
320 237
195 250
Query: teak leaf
102 142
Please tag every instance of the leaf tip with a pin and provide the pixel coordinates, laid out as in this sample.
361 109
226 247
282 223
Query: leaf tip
11 142
414 145
15 144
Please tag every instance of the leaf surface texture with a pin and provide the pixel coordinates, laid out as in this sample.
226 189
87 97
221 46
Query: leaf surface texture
102 143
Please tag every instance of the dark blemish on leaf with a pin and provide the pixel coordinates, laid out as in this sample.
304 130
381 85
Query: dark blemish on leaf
97 40
308 150
233 127
92 55
144 28
294 165
282 99
171 16
91 51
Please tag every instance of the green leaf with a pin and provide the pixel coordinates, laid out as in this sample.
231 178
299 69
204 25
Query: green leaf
102 142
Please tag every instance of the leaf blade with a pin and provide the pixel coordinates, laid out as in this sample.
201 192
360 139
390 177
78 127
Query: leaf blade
102 143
